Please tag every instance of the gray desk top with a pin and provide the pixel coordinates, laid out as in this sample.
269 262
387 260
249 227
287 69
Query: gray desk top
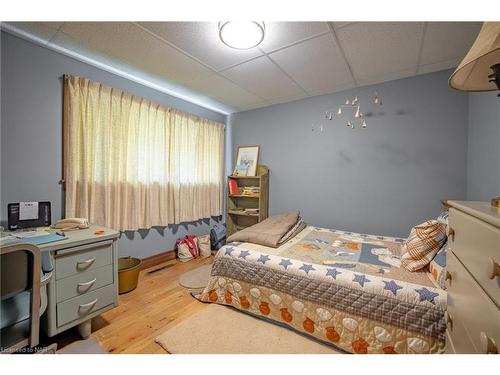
80 237
75 238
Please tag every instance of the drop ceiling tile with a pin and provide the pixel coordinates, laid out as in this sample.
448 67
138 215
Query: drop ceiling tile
201 40
225 91
444 41
281 34
338 88
254 106
377 52
378 48
386 77
263 78
128 43
338 25
429 68
316 64
286 99
43 30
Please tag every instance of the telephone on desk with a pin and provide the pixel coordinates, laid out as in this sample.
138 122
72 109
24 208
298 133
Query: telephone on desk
73 223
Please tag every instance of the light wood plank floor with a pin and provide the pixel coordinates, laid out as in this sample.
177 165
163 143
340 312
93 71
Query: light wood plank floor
159 302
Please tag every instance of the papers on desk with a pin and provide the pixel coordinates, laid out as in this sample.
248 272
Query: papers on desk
29 234
28 210
33 237
5 237
46 238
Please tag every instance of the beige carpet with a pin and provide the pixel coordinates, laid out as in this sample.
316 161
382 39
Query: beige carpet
223 330
197 278
89 346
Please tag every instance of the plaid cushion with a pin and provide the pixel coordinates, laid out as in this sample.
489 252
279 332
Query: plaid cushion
422 244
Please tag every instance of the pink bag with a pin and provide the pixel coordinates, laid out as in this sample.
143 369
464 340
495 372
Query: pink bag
187 248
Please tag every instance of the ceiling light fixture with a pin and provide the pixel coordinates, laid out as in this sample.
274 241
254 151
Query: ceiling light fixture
241 35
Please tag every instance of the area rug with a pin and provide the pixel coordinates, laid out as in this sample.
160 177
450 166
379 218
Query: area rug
197 278
223 330
88 346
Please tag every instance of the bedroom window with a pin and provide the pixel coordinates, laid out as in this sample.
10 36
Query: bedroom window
131 164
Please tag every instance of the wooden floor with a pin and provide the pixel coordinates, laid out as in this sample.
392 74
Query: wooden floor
158 303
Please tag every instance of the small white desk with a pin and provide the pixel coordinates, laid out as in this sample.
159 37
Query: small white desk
85 279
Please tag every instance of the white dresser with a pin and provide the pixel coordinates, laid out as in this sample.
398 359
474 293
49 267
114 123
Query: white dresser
473 278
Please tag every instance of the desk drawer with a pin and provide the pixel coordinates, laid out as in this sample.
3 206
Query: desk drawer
85 282
472 312
476 244
88 258
81 307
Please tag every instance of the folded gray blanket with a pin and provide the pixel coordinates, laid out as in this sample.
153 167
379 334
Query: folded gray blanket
272 232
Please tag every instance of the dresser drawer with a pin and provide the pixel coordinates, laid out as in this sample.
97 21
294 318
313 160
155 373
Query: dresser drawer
88 258
476 244
450 349
83 306
457 341
85 282
472 312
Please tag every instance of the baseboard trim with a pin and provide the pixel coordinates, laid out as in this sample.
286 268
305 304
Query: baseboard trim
156 259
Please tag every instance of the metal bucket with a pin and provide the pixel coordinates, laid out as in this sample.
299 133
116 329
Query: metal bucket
128 274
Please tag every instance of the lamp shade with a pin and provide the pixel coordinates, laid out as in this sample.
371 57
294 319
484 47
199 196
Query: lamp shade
472 73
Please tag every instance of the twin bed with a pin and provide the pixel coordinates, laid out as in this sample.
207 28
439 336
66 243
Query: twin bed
345 289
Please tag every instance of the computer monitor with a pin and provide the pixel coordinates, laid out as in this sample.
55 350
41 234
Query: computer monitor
14 223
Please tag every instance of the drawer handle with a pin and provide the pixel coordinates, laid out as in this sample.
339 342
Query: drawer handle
494 270
448 276
449 320
488 345
86 263
88 284
451 233
88 305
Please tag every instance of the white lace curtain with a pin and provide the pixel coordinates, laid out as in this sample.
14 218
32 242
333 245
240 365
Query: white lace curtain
130 163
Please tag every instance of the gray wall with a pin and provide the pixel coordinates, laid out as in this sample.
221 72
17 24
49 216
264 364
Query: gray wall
383 179
483 153
31 131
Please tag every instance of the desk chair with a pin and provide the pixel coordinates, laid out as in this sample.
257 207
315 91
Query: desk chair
21 303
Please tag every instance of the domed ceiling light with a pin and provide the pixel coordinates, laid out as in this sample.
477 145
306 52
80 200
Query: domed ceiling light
241 35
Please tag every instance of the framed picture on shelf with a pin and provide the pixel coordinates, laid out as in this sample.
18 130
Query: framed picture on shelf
247 159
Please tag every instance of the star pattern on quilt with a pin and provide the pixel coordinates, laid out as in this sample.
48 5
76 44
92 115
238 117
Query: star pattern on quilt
332 272
244 254
229 250
426 295
360 279
306 268
263 259
285 263
392 286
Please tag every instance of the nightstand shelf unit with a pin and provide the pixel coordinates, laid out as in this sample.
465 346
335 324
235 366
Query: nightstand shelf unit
237 218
